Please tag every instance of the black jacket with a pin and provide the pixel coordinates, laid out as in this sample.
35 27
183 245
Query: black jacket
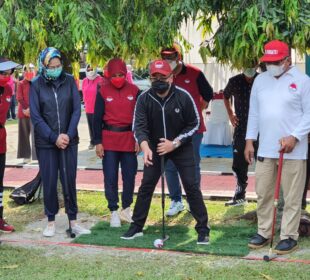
55 108
174 117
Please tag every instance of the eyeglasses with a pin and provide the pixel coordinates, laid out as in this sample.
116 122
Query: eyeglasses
279 62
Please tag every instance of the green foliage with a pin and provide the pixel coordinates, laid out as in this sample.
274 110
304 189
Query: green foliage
136 29
245 26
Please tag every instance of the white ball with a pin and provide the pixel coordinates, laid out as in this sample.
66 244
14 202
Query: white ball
158 243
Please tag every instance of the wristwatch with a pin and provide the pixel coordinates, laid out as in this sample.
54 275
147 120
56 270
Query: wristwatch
176 144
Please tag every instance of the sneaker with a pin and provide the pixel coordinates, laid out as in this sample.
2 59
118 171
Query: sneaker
203 239
236 202
286 246
258 241
115 221
125 215
77 229
91 147
132 233
5 227
175 208
50 230
26 160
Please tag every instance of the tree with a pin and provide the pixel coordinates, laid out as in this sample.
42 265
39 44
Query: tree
137 29
245 26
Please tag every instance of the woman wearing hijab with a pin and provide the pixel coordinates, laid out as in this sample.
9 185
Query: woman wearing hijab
89 90
114 140
55 113
6 69
24 149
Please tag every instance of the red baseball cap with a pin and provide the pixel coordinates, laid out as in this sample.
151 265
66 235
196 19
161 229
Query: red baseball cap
274 51
174 50
161 67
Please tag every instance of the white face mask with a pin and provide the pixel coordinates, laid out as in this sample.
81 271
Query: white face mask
275 70
249 72
173 64
91 75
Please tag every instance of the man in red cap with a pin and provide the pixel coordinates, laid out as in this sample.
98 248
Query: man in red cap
195 83
6 69
165 120
280 113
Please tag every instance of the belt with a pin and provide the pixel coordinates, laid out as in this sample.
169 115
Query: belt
117 128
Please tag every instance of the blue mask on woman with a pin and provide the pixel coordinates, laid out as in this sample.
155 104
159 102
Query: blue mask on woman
53 74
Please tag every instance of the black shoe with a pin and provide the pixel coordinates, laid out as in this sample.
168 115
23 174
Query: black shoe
203 239
132 233
236 202
286 246
258 241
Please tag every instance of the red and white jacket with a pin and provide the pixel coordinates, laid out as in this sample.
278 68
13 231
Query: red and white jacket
115 107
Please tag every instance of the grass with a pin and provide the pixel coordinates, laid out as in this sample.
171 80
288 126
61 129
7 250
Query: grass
225 240
11 122
56 264
65 263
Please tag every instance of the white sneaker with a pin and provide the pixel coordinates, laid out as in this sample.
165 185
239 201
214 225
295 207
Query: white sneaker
175 208
77 229
50 230
125 215
115 220
26 160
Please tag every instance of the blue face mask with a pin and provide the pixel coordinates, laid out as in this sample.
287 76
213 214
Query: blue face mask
53 73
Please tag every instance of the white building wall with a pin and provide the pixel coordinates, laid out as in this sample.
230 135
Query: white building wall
216 74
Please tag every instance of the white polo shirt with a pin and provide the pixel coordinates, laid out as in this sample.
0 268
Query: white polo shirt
279 108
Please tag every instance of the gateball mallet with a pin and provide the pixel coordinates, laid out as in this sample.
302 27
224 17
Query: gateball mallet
159 243
271 255
66 190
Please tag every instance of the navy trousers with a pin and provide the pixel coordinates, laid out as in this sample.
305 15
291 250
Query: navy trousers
51 165
129 165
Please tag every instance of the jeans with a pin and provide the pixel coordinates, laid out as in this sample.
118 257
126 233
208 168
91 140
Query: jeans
129 165
172 176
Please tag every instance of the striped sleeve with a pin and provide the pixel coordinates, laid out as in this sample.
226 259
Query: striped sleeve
191 118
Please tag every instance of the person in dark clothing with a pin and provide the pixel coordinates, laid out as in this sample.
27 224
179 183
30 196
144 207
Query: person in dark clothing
55 112
114 140
165 120
195 83
239 87
6 69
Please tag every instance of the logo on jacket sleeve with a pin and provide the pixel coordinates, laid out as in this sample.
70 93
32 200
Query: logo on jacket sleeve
292 87
187 81
177 110
109 98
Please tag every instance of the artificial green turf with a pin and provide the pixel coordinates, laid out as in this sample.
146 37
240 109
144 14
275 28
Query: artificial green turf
224 240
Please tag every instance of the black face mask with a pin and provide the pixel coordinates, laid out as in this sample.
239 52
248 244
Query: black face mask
160 87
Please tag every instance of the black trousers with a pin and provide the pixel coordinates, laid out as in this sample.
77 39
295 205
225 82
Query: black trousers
240 166
51 165
90 118
183 159
2 167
